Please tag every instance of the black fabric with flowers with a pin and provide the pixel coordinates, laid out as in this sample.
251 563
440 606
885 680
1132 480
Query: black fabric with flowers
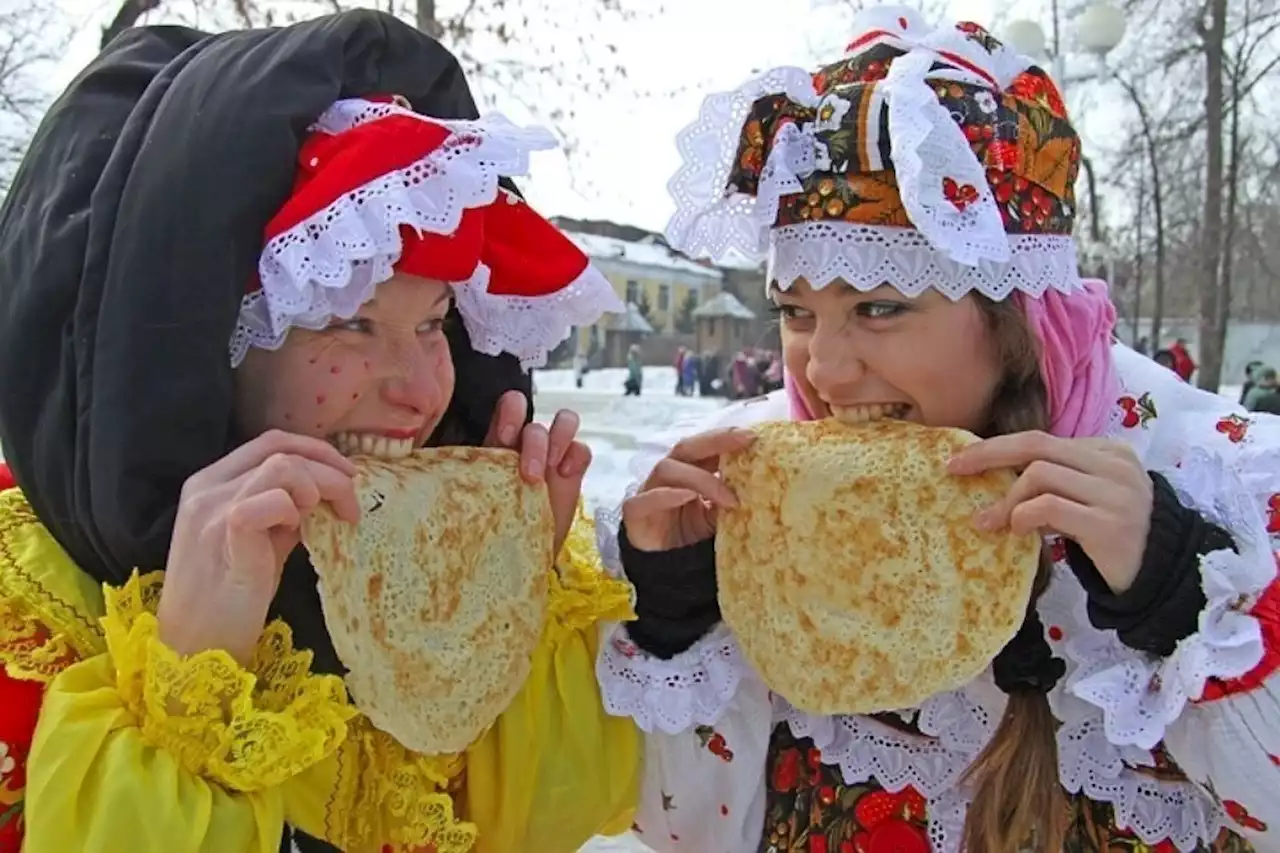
1021 136
810 809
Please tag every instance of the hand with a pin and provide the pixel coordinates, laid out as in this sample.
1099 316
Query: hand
1091 490
677 504
237 521
553 456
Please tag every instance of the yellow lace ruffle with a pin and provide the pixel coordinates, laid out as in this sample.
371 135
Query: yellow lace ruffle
581 592
388 794
247 732
43 627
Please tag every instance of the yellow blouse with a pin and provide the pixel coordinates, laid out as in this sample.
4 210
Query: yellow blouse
140 747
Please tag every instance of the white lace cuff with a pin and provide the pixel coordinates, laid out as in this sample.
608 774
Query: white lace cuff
1139 694
1153 808
692 689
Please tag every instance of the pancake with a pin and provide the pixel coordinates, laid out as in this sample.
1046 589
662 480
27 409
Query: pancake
852 574
435 601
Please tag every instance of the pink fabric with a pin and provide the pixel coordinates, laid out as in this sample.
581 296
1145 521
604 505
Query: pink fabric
1075 359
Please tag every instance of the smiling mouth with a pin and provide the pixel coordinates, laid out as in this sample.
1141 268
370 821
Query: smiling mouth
867 414
370 444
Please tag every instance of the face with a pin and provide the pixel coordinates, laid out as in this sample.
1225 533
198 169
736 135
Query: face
864 356
378 383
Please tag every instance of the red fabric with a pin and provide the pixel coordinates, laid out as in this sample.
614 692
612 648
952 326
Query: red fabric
6 477
1183 364
1267 612
19 709
526 254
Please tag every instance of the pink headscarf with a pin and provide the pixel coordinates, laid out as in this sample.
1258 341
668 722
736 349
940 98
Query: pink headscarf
1075 359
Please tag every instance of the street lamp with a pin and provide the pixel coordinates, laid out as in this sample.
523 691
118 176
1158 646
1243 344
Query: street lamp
1099 29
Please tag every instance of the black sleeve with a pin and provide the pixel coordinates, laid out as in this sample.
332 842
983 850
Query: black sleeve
1164 603
676 600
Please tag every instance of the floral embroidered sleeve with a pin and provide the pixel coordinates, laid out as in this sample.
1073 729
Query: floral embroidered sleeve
706 717
1213 702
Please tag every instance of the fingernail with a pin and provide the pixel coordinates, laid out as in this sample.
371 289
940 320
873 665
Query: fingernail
507 435
534 468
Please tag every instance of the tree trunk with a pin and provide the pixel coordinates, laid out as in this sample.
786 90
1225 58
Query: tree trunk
1135 331
126 16
1229 234
427 20
1211 345
1157 205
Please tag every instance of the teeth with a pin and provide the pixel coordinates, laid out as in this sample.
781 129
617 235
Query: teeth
867 414
363 444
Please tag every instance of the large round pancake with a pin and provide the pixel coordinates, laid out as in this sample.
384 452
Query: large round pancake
852 573
435 600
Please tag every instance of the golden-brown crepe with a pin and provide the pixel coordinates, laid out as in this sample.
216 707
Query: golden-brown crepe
852 573
435 600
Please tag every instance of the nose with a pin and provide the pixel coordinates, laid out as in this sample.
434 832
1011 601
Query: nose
414 377
835 362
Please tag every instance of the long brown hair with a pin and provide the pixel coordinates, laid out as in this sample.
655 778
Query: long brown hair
1017 798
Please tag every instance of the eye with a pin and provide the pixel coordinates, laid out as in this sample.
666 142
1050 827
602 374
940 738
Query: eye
881 309
430 327
789 312
360 325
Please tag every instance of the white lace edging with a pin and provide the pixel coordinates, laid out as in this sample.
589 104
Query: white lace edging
694 688
1089 763
531 327
868 256
329 264
1139 694
711 218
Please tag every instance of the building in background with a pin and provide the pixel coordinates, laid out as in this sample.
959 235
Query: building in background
664 289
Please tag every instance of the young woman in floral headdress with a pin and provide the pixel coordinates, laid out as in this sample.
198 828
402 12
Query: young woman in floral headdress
915 202
223 258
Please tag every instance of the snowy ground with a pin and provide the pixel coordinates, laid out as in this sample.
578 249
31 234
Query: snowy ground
611 423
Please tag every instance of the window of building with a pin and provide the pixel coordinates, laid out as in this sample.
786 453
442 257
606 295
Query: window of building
633 291
664 297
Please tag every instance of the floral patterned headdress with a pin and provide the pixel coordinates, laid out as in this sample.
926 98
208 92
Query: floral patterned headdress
924 157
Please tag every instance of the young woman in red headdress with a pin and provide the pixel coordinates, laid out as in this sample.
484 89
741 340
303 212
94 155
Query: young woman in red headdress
224 259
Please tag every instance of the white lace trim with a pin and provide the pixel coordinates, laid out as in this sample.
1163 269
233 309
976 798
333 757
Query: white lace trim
694 688
710 219
531 327
329 264
928 146
868 256
1088 762
956 250
1140 695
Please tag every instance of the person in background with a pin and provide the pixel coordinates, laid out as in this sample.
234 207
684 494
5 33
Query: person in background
1249 370
691 372
1166 359
1264 384
682 354
635 372
1143 346
1183 364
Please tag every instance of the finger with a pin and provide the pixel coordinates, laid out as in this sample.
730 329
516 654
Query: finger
306 481
1056 513
533 452
252 454
563 429
508 418
564 493
1043 478
671 472
577 459
1018 450
663 499
710 445
261 512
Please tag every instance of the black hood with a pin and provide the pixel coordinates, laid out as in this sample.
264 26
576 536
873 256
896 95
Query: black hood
126 241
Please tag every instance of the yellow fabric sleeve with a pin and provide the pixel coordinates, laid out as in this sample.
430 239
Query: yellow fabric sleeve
555 769
175 753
